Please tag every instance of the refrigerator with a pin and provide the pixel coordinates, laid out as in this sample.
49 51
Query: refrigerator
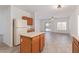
20 26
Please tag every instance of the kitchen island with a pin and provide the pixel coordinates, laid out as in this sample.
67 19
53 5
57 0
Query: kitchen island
75 44
32 42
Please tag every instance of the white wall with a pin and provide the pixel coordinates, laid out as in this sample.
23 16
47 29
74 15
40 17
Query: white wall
37 23
5 25
75 22
71 20
73 25
17 14
53 24
1 26
42 24
6 22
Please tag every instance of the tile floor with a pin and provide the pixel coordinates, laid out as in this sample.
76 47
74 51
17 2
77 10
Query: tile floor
54 43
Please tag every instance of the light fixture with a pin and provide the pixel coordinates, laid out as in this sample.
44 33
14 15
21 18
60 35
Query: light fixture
52 18
59 6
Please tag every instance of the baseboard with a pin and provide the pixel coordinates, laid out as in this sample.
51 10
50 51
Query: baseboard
16 45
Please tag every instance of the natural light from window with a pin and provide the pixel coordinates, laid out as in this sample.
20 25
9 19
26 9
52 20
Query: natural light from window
61 25
47 27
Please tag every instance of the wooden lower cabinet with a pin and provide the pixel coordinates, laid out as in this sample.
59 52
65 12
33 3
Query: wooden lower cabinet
75 45
75 48
25 46
42 42
32 45
35 44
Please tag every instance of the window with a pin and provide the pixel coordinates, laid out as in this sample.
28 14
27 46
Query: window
47 27
61 26
47 24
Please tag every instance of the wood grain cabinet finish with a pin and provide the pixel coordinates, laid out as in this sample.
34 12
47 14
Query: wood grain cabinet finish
76 48
30 21
25 46
42 42
25 17
32 45
35 44
75 45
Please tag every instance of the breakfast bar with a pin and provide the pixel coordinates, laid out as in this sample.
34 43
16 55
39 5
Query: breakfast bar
32 42
75 44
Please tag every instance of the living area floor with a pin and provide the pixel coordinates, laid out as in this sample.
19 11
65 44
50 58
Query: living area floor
58 43
54 43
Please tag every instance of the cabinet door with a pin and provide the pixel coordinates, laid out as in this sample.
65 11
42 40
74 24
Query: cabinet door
75 48
42 42
72 46
35 44
30 21
25 46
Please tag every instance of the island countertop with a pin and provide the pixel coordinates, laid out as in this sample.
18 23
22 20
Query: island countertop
76 37
32 34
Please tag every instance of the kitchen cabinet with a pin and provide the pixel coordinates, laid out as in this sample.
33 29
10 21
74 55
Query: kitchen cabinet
75 45
25 17
34 44
29 20
25 45
42 42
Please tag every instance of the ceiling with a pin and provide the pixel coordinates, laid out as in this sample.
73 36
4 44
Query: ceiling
46 8
45 11
4 6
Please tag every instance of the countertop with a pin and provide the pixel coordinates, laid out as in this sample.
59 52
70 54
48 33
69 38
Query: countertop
76 37
31 34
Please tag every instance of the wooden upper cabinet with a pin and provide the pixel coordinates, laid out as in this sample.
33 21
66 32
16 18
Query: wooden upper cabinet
25 17
29 20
